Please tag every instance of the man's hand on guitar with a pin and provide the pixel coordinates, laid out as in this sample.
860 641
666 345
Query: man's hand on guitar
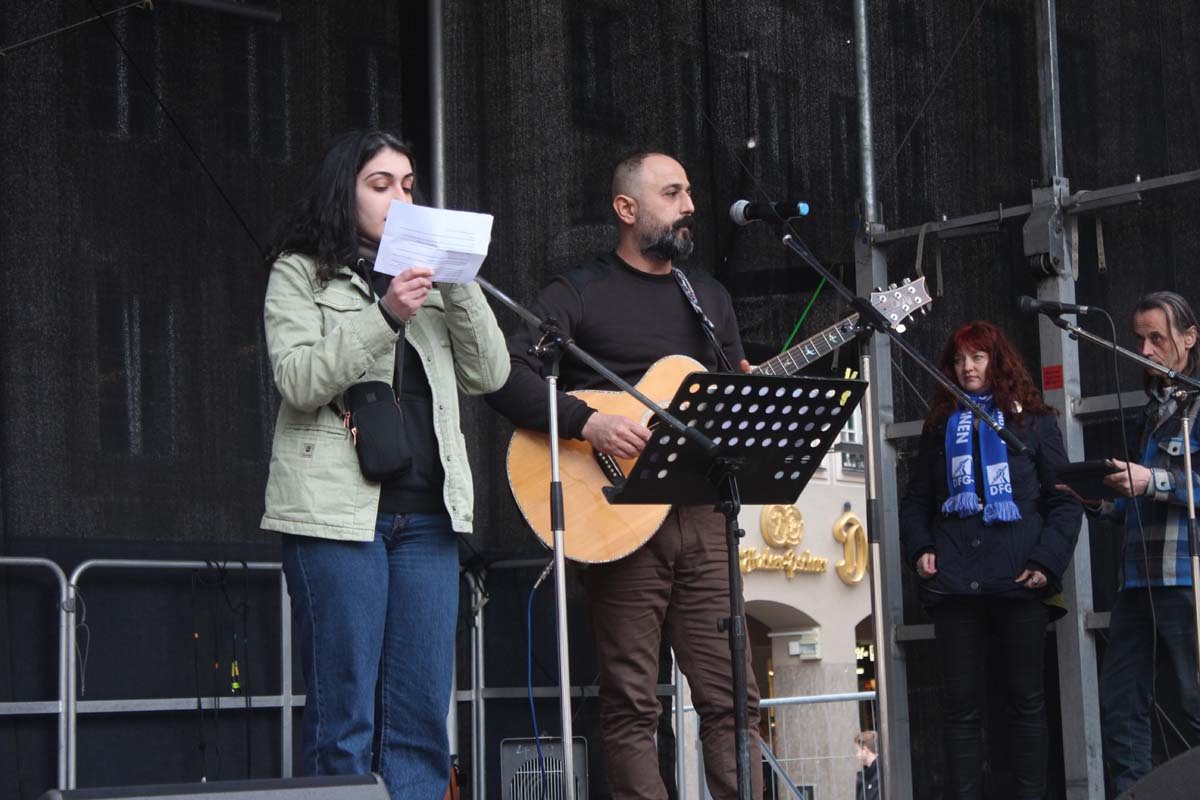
744 366
615 435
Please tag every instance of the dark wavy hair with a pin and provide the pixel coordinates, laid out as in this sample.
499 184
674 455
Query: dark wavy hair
1180 318
323 223
1009 380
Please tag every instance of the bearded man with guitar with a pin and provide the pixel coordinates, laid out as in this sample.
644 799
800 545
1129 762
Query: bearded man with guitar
629 309
650 566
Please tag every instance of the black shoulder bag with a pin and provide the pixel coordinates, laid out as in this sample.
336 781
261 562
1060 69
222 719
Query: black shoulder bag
375 420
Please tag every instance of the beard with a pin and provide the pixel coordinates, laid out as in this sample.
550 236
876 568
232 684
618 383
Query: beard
670 242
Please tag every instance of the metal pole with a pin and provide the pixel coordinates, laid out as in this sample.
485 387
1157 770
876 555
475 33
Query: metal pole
437 102
286 727
866 138
1048 89
64 653
882 501
560 600
1191 523
882 637
680 727
69 709
1078 683
478 707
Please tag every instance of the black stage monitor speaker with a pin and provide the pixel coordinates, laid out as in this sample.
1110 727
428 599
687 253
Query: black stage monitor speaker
342 787
1177 779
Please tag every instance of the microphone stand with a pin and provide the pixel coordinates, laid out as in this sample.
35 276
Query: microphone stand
550 350
1182 396
872 319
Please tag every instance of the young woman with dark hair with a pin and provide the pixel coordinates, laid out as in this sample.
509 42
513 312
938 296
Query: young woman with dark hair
989 538
371 567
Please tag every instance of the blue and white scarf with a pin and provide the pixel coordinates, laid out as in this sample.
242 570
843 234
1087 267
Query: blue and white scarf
960 466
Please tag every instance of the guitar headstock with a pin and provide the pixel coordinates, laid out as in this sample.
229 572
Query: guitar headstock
898 303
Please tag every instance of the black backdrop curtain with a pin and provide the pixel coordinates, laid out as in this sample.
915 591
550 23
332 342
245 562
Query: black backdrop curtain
136 402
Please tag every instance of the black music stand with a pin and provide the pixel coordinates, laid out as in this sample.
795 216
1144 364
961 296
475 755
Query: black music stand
772 434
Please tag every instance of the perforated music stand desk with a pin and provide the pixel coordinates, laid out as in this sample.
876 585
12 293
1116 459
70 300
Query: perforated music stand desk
774 430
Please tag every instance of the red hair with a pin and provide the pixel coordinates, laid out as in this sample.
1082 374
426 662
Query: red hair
1010 382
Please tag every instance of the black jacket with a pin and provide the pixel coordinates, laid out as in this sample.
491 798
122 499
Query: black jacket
866 783
978 559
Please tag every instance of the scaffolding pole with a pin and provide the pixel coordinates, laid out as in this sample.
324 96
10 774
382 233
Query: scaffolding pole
1048 247
883 526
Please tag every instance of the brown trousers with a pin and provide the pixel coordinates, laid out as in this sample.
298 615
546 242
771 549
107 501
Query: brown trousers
681 578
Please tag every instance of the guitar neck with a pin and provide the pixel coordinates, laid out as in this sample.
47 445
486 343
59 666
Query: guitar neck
800 356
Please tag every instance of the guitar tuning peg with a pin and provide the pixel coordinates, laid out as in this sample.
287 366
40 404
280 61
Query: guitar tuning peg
907 281
901 328
891 286
924 311
877 289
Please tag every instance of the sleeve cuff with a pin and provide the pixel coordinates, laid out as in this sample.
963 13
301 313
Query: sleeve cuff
1162 485
578 421
392 320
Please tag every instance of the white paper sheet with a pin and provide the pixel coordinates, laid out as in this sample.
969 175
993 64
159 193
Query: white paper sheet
451 243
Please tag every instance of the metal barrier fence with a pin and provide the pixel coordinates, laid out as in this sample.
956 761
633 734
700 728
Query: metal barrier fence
56 707
68 707
778 766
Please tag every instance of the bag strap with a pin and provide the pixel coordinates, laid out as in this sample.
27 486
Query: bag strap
363 269
706 324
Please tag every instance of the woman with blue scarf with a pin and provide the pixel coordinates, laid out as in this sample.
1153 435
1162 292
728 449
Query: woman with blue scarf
989 538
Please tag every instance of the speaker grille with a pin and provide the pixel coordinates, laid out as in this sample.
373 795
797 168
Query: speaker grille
521 779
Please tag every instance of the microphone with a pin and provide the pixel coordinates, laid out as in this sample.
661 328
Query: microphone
743 212
1050 307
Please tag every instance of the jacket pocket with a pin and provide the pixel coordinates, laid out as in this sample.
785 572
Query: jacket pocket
315 476
335 302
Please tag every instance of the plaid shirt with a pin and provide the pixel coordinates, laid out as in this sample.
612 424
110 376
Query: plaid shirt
1159 555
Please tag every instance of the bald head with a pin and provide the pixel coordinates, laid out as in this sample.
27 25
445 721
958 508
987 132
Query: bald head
628 175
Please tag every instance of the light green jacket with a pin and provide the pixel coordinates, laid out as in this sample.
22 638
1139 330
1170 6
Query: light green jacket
324 339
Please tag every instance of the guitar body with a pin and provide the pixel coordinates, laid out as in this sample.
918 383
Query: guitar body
595 531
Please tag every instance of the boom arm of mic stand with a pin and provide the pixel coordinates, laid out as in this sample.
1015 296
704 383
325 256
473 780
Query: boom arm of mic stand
1079 333
691 434
870 315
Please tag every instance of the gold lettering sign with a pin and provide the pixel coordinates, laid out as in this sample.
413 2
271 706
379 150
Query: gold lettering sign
850 532
788 562
782 526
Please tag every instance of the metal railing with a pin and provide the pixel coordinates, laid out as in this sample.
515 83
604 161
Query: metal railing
777 765
285 700
57 707
68 706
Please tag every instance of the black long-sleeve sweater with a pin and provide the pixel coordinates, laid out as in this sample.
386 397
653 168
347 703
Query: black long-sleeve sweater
627 320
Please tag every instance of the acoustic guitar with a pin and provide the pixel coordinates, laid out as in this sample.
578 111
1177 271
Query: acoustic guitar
596 531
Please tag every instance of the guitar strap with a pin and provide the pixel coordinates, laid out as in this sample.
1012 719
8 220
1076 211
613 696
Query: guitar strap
706 324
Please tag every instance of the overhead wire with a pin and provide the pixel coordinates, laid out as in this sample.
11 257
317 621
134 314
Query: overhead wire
187 143
4 51
929 97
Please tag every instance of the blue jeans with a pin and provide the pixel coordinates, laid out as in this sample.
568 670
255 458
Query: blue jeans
1127 676
377 619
